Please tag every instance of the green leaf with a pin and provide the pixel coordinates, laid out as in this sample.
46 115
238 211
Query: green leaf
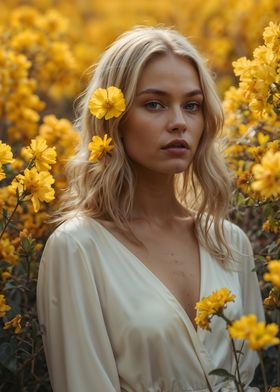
270 99
8 356
240 199
222 373
4 264
277 110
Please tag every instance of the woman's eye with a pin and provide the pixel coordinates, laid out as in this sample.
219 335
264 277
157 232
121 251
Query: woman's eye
192 106
154 105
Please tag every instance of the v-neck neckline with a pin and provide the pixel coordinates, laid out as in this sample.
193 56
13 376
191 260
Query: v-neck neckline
153 275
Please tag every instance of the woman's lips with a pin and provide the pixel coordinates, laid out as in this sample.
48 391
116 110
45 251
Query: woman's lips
175 150
176 143
176 147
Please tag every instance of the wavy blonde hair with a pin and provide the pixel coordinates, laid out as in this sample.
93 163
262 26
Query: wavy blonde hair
106 189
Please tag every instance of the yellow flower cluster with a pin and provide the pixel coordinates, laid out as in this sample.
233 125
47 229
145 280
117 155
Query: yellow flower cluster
35 60
39 153
6 156
4 308
19 106
257 334
61 134
260 77
14 323
267 175
271 225
274 273
8 250
35 182
273 299
41 38
253 121
34 185
212 305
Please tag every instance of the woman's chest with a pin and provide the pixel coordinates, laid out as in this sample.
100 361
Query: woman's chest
175 261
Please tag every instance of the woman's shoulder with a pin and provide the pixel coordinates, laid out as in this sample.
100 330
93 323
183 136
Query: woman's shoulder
78 229
239 246
235 235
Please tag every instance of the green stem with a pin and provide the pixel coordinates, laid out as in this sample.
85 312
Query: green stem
28 268
263 371
19 200
229 322
237 365
10 218
237 385
239 356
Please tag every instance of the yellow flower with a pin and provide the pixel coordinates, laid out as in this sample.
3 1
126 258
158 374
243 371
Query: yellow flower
43 155
212 305
3 306
5 275
14 323
2 174
34 185
267 175
273 299
274 273
263 335
6 155
271 35
99 147
257 334
262 139
108 102
8 251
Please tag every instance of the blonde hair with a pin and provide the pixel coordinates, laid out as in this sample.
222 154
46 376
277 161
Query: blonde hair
106 189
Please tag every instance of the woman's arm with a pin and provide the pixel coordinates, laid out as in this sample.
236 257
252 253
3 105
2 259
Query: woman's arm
77 347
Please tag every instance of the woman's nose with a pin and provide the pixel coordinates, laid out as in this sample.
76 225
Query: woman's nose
177 121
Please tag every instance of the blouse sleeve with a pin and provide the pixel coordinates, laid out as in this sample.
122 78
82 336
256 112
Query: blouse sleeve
77 346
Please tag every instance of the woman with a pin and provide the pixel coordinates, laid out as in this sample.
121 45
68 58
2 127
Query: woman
143 235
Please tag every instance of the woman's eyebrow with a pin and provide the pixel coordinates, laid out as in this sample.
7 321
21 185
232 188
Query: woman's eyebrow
164 93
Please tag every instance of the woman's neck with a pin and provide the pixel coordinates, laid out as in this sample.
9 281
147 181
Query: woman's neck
155 199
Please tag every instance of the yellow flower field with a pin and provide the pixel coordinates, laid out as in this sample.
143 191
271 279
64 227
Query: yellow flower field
46 55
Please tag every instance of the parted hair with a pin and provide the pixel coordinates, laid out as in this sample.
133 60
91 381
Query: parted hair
105 189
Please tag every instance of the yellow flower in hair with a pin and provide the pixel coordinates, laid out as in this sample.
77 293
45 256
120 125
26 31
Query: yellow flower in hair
107 103
100 147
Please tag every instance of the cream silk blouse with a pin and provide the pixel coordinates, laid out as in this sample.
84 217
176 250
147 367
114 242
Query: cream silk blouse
109 324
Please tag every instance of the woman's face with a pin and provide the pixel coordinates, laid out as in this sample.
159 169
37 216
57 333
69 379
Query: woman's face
163 127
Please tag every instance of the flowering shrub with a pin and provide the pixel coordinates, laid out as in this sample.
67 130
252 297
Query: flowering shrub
43 54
